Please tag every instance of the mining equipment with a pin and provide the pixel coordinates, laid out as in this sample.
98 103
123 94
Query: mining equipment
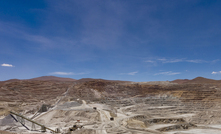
22 119
78 125
111 118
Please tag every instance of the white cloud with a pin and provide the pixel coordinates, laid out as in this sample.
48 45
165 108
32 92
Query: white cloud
7 65
219 72
164 60
214 61
150 61
196 61
168 73
174 60
214 72
66 73
131 73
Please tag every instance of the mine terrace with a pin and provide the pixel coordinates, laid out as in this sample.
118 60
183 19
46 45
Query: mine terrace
96 106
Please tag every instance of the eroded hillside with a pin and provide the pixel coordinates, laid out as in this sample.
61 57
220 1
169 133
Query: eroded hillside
189 102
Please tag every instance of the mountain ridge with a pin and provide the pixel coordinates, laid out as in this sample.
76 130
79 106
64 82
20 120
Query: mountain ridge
55 78
42 78
196 80
51 78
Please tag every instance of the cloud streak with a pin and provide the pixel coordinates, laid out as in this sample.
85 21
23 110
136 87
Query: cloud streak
197 61
150 61
165 60
6 65
130 73
168 73
219 72
66 73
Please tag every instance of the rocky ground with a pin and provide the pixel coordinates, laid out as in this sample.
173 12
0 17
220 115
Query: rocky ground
177 107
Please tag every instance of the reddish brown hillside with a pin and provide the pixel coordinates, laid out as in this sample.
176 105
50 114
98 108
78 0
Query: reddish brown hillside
11 80
52 78
201 80
204 80
180 81
91 79
43 91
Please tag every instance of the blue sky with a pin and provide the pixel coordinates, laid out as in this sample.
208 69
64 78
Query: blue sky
142 40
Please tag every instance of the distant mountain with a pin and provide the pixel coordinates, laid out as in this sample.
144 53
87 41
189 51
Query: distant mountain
51 78
196 80
180 81
42 78
92 79
11 80
54 78
86 79
204 80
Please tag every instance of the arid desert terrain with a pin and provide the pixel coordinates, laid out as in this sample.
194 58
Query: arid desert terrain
95 106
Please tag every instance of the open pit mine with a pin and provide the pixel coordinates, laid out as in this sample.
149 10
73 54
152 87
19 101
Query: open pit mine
95 106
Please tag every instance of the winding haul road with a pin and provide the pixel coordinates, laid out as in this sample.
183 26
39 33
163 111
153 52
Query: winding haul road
119 122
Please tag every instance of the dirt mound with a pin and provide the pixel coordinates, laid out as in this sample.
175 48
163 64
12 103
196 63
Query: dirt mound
8 121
